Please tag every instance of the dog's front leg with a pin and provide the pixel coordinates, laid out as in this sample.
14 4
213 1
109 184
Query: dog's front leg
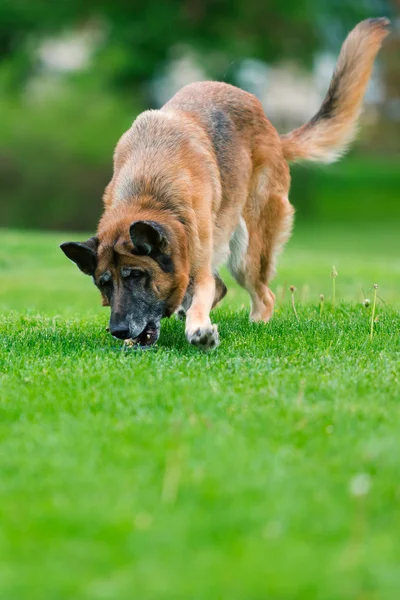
199 330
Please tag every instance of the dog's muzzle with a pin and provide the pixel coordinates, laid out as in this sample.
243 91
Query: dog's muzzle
147 337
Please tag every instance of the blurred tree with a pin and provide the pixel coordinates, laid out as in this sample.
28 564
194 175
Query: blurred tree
139 34
57 133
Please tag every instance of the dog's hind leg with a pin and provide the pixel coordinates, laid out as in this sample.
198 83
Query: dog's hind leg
268 233
220 289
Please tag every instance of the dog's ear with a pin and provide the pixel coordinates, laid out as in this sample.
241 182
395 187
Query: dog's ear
149 237
83 254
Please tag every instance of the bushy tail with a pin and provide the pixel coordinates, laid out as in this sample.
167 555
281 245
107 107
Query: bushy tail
326 137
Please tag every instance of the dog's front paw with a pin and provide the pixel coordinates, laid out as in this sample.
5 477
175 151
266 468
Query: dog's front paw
205 338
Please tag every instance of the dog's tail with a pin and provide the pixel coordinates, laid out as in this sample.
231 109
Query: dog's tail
326 137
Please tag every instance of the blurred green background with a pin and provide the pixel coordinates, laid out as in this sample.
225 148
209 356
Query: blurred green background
73 76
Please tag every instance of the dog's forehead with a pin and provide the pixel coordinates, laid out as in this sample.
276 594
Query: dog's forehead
108 246
112 256
123 247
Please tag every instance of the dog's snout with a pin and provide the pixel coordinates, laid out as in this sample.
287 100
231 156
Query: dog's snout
120 331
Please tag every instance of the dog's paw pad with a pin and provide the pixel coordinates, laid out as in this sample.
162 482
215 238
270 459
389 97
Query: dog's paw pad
204 338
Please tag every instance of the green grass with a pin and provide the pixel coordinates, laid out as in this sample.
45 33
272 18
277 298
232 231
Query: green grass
266 469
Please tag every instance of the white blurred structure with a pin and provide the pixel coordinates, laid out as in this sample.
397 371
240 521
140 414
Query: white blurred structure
70 51
289 94
179 72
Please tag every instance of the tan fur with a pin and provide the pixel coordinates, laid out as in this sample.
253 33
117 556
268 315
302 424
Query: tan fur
325 139
209 162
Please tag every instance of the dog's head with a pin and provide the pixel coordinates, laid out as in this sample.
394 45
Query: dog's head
140 273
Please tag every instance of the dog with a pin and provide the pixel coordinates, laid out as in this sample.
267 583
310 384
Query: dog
202 182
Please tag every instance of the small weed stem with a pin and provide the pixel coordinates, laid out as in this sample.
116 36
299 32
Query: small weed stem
321 305
292 290
371 335
282 298
334 274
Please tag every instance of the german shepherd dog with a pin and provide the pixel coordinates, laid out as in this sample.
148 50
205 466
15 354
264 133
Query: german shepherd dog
202 182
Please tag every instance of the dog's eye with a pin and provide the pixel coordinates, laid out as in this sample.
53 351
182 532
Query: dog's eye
105 280
131 273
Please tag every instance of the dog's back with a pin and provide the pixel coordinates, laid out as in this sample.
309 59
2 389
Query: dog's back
215 118
235 123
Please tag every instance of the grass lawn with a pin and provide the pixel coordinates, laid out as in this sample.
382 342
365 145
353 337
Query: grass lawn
267 469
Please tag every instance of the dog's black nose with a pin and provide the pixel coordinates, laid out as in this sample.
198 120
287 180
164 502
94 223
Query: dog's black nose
120 331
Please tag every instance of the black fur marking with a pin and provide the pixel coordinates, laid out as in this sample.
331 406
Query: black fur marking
384 21
165 262
151 239
83 254
331 101
149 236
182 220
221 131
